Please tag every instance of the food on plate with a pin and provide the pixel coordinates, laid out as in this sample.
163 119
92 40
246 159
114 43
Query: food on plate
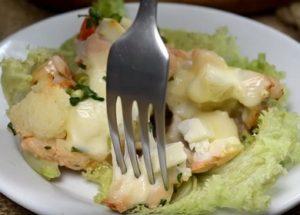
229 132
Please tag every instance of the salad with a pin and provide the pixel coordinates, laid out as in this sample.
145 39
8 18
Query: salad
229 132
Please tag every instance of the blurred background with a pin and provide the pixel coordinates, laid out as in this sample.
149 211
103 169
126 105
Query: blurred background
283 15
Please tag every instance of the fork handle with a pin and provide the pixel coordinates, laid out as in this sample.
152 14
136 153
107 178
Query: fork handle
147 12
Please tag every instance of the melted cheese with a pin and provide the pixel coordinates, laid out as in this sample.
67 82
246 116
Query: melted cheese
216 82
124 188
96 70
208 126
210 81
175 154
87 128
96 53
213 137
126 23
110 29
219 123
177 98
127 191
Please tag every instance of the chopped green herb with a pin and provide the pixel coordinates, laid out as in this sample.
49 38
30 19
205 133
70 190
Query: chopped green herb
150 126
86 89
137 208
82 15
107 9
95 14
82 66
89 23
47 147
162 36
162 202
98 98
82 78
74 149
104 78
175 189
77 93
116 17
172 78
83 92
179 176
69 91
11 128
74 101
164 39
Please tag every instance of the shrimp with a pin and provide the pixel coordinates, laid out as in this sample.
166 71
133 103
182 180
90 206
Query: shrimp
56 151
210 155
178 59
210 143
127 191
55 71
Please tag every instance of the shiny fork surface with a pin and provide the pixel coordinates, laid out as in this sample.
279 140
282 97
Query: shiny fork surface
137 71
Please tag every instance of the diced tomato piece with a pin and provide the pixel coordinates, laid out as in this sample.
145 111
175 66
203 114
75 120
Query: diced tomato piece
87 28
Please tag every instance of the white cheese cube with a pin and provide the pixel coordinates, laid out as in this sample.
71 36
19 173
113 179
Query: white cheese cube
193 130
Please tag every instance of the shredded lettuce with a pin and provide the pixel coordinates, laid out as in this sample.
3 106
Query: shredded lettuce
100 174
243 182
16 74
224 45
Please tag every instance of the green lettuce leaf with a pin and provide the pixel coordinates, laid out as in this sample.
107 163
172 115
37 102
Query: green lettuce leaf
224 45
220 42
101 175
242 184
47 169
114 9
16 74
68 51
260 65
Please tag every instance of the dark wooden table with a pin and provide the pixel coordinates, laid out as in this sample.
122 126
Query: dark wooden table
16 14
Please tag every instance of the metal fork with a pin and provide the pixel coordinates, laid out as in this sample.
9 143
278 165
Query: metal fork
137 71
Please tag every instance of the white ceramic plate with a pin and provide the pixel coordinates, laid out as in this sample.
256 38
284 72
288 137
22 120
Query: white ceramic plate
73 195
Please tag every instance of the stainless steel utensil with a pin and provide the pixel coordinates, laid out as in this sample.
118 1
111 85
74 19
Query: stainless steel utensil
137 70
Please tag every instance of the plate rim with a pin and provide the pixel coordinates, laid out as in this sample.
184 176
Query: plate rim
273 30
